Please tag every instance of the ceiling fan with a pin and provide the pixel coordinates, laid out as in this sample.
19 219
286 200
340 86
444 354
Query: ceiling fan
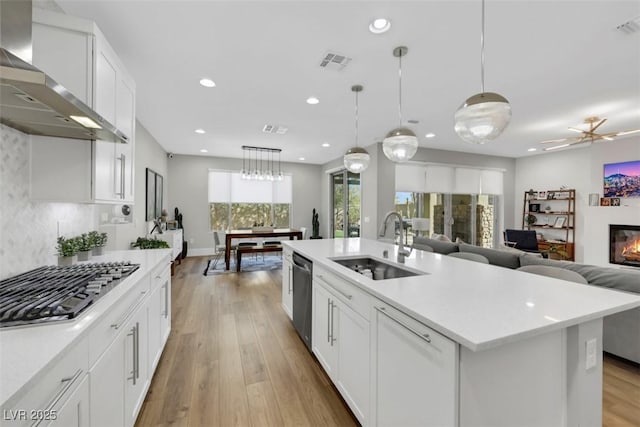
589 135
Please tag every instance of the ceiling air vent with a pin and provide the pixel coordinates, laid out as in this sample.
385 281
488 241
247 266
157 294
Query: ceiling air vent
631 26
280 130
334 61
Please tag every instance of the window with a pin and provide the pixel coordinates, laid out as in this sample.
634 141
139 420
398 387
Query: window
235 203
460 202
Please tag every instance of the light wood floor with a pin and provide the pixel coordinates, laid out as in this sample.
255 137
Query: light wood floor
234 359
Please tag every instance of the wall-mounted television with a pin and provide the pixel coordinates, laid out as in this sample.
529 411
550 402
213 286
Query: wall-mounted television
622 179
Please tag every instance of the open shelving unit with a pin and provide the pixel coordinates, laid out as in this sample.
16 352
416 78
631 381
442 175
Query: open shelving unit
551 213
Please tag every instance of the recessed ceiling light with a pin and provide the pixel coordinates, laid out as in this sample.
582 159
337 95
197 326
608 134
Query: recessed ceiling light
379 25
301 158
200 131
312 100
532 149
430 135
207 83
204 150
326 144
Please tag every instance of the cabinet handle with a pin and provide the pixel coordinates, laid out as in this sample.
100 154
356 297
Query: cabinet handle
122 170
333 339
290 279
132 334
328 320
137 336
67 383
166 299
424 337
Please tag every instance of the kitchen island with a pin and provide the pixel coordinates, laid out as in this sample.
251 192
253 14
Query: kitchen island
462 343
94 369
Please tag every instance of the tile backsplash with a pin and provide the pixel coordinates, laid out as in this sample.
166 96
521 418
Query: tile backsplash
28 230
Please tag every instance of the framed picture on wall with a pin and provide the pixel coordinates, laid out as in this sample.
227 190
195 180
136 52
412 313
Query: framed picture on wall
615 201
158 204
150 214
605 201
542 195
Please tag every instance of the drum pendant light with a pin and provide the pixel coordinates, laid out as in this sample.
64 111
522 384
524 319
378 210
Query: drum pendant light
484 116
356 159
400 144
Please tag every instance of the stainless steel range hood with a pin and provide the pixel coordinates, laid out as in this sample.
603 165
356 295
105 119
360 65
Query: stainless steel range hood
30 100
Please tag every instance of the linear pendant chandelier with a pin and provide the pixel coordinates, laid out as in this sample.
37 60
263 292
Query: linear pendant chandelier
484 116
259 164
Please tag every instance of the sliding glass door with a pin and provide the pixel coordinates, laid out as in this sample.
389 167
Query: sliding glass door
345 197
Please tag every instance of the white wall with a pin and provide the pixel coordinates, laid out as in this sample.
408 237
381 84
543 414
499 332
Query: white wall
29 230
189 192
582 169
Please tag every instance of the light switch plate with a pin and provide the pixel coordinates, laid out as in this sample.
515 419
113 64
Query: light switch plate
590 354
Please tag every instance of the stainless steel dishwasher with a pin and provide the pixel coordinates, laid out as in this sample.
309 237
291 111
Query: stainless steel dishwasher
302 292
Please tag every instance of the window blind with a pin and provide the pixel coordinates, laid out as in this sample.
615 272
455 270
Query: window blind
448 179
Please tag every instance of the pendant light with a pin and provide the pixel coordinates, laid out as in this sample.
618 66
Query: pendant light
484 116
356 159
400 144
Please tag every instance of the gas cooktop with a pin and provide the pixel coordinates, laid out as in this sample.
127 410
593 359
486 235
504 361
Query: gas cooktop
52 293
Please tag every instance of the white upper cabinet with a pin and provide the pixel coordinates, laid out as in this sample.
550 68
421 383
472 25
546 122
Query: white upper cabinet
75 53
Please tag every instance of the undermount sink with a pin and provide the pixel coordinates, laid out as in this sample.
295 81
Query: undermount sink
376 269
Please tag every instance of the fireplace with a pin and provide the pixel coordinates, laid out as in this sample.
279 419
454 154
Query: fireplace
624 245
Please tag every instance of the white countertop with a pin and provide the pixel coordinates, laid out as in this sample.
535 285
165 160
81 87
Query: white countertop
477 305
26 351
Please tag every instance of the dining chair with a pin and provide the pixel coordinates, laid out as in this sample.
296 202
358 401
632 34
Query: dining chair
219 247
303 230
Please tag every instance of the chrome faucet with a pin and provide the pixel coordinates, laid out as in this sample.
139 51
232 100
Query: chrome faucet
402 252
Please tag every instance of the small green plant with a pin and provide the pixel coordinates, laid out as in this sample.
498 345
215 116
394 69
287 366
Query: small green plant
144 243
97 239
84 242
67 247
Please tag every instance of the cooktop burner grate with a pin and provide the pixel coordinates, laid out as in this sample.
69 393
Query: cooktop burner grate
57 293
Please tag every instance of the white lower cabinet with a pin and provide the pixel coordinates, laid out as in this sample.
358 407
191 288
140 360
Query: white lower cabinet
107 387
60 397
135 365
159 315
415 372
287 282
75 411
341 338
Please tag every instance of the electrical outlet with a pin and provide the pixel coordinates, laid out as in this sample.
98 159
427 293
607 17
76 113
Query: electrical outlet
192 241
367 219
590 354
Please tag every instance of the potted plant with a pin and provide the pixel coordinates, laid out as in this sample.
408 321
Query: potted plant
144 243
67 250
84 247
98 241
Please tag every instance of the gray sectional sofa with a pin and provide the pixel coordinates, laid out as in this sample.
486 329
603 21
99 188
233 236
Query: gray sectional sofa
621 331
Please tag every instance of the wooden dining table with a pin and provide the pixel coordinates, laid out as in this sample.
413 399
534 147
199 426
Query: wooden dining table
248 234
